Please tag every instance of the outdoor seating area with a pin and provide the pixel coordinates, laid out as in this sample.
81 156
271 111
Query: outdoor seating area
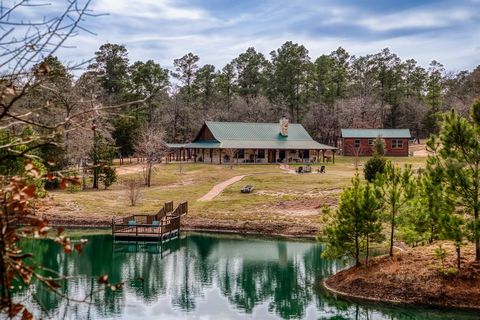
158 226
308 169
247 189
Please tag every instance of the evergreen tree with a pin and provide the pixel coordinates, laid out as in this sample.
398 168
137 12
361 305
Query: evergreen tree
111 65
457 153
290 66
355 223
250 67
395 187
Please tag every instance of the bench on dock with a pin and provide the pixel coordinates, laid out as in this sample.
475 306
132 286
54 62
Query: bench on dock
151 227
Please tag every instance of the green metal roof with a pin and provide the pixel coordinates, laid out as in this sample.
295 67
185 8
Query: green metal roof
176 145
241 135
373 133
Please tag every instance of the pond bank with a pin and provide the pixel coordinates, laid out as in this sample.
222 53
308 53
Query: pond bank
413 277
273 228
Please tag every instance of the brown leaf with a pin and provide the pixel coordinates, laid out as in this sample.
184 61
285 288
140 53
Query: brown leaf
26 315
63 184
15 309
53 284
67 248
103 279
79 248
29 190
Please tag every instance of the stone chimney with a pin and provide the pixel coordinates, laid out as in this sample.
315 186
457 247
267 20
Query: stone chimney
284 126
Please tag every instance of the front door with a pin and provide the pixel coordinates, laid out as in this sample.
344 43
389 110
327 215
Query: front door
281 155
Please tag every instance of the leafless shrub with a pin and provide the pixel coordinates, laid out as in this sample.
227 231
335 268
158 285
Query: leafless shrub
133 192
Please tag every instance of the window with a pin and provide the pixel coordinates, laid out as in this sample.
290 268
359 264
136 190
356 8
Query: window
240 153
397 143
261 154
371 142
357 143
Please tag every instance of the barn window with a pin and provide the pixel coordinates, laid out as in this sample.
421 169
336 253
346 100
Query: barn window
397 143
357 143
240 153
371 142
261 153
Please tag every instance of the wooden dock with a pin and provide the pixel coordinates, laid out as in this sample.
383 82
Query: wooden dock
161 226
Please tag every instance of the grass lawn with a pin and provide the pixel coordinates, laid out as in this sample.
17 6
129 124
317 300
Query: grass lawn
278 196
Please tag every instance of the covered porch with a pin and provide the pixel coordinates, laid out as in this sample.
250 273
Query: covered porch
218 155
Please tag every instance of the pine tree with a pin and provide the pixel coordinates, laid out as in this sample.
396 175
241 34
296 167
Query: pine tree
396 187
355 223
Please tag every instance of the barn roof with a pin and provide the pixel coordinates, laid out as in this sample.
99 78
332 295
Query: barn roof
241 135
373 133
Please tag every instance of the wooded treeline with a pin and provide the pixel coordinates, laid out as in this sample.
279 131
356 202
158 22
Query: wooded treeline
324 94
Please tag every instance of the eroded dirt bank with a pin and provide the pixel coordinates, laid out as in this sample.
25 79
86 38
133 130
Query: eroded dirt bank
414 277
257 227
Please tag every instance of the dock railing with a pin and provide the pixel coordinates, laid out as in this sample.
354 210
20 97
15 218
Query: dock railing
164 223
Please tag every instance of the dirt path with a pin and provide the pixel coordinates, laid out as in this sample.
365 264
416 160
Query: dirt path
217 189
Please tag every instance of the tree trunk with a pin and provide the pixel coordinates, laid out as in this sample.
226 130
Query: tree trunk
392 231
458 257
366 254
149 173
357 252
477 239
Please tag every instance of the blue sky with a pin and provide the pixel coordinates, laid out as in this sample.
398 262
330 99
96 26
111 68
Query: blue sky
218 30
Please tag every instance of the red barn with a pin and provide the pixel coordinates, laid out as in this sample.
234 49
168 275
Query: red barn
360 142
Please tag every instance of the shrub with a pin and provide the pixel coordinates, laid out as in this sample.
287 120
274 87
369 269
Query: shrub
132 191
108 176
374 166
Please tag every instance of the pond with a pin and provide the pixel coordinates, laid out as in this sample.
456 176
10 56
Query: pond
203 276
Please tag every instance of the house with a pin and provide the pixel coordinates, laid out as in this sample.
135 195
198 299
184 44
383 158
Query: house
238 142
360 142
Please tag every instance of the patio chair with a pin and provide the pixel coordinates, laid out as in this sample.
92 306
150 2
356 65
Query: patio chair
247 189
299 170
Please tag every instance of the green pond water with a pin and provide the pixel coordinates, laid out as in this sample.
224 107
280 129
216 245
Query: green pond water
203 276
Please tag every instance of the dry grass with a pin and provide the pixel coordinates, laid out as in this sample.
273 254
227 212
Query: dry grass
279 196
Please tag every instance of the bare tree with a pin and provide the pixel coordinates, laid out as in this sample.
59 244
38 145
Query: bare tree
26 45
151 147
133 192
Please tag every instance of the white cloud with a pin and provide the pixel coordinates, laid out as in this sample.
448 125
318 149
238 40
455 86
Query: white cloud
416 19
149 9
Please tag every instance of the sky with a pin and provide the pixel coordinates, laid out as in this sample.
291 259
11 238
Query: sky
218 30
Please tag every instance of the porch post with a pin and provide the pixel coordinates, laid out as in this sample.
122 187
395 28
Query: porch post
220 156
323 155
211 155
333 156
203 155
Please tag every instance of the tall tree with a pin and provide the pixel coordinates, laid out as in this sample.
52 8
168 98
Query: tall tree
457 152
434 96
225 86
396 187
185 70
204 84
287 85
250 67
111 65
355 223
148 80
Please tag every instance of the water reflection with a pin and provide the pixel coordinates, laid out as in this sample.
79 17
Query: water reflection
203 276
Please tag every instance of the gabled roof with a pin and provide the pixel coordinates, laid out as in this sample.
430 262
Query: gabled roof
240 135
373 133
